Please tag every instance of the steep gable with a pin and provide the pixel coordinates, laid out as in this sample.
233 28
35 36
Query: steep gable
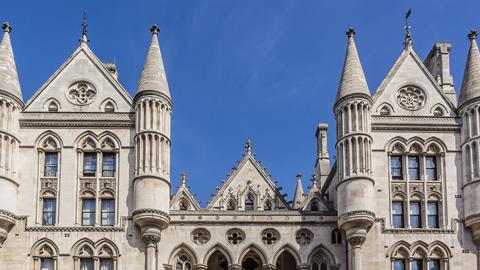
183 198
410 90
248 180
81 84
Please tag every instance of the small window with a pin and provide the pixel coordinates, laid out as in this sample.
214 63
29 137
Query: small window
384 111
105 264
437 112
109 107
89 164
415 215
314 206
49 211
51 164
52 107
397 212
432 209
434 264
46 264
183 205
249 203
88 212
336 237
413 168
399 264
108 165
231 205
396 167
431 168
108 212
417 264
267 206
86 264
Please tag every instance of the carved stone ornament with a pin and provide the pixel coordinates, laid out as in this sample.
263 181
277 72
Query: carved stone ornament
304 237
411 97
270 236
356 241
150 240
200 236
235 236
81 93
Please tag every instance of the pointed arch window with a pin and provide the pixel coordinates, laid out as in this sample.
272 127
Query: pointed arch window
249 202
183 205
231 206
53 107
314 206
109 107
267 206
183 263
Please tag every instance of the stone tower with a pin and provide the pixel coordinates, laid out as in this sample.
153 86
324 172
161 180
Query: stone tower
469 110
11 102
151 183
355 183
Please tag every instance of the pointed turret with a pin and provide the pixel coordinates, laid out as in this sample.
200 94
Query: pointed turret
299 197
353 79
471 78
9 83
153 78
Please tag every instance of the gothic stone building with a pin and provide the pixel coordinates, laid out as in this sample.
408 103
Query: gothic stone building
85 178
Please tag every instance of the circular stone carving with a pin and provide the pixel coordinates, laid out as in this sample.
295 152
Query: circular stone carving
235 236
304 237
200 236
81 93
411 97
270 236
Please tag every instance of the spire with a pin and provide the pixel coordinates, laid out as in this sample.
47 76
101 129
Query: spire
84 40
353 79
9 83
298 199
183 179
153 77
471 77
408 36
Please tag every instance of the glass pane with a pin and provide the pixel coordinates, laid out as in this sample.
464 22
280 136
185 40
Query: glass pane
415 216
413 168
399 265
108 212
396 167
434 265
397 208
417 265
106 264
86 264
431 168
108 165
315 266
46 264
414 208
88 212
249 203
89 164
49 211
51 164
432 209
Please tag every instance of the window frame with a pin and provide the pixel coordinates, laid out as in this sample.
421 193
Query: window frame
54 211
83 212
419 215
108 213
436 216
417 168
89 173
113 169
392 157
434 169
47 167
402 215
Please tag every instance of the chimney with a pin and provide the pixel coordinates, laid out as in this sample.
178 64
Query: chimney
322 163
438 63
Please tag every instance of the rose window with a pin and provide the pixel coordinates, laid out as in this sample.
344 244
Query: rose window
200 236
270 236
304 237
81 93
411 97
235 236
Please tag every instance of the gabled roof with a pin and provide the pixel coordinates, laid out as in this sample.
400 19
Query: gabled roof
183 193
299 197
247 172
84 49
9 83
471 77
406 53
314 194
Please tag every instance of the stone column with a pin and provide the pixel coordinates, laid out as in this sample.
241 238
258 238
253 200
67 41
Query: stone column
234 267
356 243
150 241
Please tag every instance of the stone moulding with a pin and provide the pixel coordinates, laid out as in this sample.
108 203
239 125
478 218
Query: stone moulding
151 211
7 214
122 228
71 119
416 231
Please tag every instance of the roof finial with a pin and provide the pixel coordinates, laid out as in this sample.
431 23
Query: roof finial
408 36
351 32
473 34
299 175
155 29
183 178
84 39
248 146
7 27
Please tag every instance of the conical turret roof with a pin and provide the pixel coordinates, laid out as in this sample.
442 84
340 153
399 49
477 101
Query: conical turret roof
153 77
9 83
298 198
471 77
353 79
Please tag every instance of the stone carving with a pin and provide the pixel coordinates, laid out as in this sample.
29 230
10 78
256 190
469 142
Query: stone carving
304 237
235 236
200 236
270 236
48 183
81 93
410 97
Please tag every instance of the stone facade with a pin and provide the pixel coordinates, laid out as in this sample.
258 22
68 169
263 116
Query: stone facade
85 176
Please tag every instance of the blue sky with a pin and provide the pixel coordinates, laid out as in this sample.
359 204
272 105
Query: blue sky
265 70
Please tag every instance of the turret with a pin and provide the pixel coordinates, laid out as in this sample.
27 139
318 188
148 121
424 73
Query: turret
151 183
322 163
355 184
11 103
299 197
469 106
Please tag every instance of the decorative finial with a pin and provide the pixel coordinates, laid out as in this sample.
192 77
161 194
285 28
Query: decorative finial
183 178
248 146
350 32
408 36
7 28
155 29
299 175
473 34
84 38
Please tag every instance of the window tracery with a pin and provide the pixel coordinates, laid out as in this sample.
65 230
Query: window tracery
304 237
200 236
411 97
235 236
81 93
270 236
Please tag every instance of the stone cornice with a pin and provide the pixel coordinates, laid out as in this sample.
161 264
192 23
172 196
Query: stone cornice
77 119
121 228
415 231
420 123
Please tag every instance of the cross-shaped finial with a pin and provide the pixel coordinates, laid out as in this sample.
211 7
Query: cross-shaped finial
7 27
473 34
248 146
299 176
155 29
183 178
84 38
351 32
408 36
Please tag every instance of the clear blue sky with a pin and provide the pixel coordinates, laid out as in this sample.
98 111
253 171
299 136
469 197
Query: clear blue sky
258 69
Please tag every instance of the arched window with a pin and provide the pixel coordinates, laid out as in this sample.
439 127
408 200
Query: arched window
109 107
53 107
336 237
267 206
99 256
385 110
438 112
183 205
44 254
231 205
249 202
183 263
314 206
419 256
